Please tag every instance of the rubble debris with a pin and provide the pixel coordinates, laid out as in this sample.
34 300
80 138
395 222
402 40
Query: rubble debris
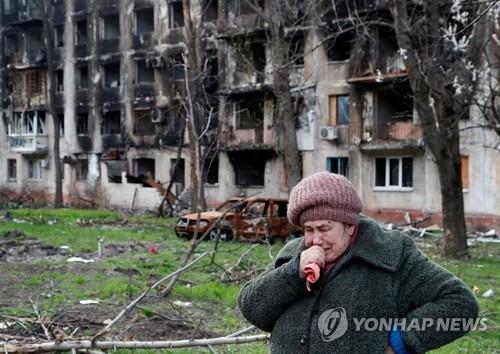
488 293
89 302
80 260
483 237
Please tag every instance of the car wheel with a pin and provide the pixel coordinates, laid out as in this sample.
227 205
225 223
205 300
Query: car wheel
226 235
213 235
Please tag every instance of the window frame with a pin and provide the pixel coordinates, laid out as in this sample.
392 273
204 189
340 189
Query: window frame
11 173
388 187
81 170
140 72
140 13
334 107
35 165
339 159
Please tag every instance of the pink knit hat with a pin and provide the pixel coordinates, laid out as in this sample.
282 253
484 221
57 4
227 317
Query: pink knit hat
324 196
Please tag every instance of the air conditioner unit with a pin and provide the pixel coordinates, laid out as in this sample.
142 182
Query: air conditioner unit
328 133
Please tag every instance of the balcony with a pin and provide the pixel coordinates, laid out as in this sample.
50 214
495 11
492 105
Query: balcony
403 131
28 143
403 136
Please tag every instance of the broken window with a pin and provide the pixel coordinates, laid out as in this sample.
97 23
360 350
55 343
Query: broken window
110 27
339 165
389 60
340 46
465 171
393 172
82 123
395 103
60 119
11 169
11 44
256 209
83 77
211 171
58 36
111 74
176 15
29 122
111 122
143 124
35 45
210 10
144 73
144 21
177 171
144 168
35 169
251 57
177 66
82 169
250 114
338 107
280 209
249 168
81 32
296 50
59 78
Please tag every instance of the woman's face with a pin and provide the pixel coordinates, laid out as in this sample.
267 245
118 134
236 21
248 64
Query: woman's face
332 236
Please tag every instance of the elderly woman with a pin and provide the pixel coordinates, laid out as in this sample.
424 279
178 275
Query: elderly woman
349 286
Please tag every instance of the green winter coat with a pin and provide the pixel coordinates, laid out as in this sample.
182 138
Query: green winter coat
382 276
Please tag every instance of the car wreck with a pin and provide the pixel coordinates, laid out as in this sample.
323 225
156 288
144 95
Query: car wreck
245 219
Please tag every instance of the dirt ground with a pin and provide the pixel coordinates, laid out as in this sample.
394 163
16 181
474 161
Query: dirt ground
170 320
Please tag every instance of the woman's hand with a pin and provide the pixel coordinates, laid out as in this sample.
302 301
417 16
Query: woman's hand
313 254
389 350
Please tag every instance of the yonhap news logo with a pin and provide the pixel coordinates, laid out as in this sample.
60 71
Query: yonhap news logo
333 324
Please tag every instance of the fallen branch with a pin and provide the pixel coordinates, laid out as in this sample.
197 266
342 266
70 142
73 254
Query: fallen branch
130 306
242 331
38 315
196 241
88 344
230 270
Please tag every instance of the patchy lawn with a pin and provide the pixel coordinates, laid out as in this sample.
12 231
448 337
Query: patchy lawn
36 243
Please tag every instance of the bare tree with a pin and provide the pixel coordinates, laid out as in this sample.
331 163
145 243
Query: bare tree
46 9
487 98
280 17
440 44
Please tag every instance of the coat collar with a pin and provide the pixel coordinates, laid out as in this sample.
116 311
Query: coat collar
383 249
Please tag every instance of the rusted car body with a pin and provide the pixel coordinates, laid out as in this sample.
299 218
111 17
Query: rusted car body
244 219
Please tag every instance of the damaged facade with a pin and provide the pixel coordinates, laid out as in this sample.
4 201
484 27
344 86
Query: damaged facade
120 90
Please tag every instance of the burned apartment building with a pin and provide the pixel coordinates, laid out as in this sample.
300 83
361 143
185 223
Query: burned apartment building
120 82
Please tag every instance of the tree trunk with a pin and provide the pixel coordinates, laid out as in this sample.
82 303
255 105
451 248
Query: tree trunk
281 81
47 7
194 105
440 127
455 236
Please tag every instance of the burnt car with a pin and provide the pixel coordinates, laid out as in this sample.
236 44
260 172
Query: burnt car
245 219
